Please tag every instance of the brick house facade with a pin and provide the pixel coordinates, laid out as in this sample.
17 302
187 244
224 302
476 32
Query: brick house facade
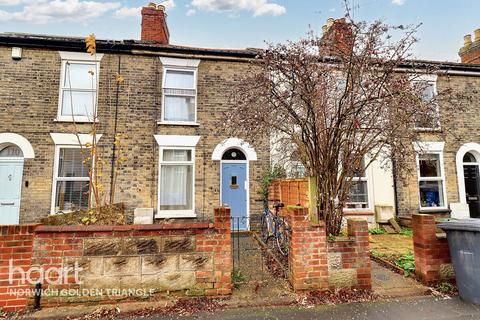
455 185
29 109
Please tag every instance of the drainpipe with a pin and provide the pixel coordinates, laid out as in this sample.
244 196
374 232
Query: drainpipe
395 195
112 172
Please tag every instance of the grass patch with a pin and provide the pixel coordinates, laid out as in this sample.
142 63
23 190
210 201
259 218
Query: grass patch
407 232
377 231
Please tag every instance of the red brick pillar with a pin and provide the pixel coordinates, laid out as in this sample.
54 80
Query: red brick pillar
358 232
307 259
16 243
218 281
432 255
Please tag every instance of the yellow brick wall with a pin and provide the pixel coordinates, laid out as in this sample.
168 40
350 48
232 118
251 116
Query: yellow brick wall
28 106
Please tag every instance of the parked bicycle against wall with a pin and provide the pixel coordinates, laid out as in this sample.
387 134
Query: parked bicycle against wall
273 225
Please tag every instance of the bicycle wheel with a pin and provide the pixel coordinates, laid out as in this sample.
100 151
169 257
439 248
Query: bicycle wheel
264 233
282 236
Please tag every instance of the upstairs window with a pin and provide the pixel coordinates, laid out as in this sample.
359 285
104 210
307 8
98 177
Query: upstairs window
78 87
179 88
179 96
428 92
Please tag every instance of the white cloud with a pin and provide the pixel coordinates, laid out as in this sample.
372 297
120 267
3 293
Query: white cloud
257 7
191 12
169 4
45 11
127 13
398 2
9 2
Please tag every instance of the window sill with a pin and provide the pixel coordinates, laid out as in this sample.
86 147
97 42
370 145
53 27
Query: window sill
359 212
172 214
178 123
77 119
434 210
428 129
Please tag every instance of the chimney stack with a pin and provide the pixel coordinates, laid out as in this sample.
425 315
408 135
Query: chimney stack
337 39
154 24
470 52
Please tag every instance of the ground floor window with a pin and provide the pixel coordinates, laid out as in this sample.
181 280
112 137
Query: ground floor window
71 180
431 181
176 179
358 194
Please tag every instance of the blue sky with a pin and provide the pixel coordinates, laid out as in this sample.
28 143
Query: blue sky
243 23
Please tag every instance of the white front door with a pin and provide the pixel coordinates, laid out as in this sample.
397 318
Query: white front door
11 172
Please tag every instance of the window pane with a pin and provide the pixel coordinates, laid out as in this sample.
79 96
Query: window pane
179 108
71 163
80 76
358 195
431 194
430 165
427 92
176 186
469 157
71 195
11 151
179 79
361 171
177 155
82 103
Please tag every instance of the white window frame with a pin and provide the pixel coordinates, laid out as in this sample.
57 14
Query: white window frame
66 140
57 179
430 79
77 58
366 179
435 148
174 64
176 142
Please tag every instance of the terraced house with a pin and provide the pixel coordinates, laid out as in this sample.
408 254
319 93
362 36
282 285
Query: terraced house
169 107
447 179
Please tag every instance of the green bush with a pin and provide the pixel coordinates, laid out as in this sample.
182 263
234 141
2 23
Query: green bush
407 263
406 232
272 173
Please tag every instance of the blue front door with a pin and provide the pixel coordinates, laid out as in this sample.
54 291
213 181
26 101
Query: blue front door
234 193
10 191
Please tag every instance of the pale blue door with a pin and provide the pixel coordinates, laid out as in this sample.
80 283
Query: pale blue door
10 191
234 193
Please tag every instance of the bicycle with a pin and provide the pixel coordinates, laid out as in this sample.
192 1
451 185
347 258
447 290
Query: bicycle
274 226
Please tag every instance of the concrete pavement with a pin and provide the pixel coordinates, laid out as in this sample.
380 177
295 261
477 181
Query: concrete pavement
428 308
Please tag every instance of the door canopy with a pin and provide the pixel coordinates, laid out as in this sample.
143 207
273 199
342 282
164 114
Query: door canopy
237 143
8 139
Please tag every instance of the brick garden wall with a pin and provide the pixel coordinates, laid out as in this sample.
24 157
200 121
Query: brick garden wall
15 250
318 264
349 264
118 262
432 255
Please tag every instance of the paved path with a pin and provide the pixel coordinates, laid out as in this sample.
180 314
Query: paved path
410 309
388 284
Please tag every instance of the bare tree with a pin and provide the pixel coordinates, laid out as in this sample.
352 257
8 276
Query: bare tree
342 99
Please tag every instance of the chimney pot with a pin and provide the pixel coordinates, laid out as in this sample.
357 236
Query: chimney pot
330 22
467 40
154 24
477 35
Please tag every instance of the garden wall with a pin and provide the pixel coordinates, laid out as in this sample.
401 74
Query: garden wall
432 255
78 264
316 263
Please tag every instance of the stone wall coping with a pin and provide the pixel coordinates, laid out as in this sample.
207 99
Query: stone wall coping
342 239
126 228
